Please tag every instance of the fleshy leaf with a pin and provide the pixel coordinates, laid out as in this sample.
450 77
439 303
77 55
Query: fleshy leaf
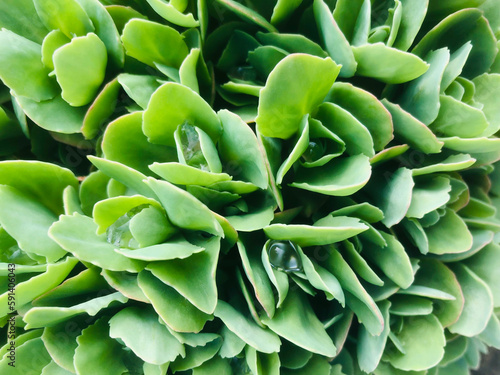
423 340
145 336
169 12
183 209
75 233
284 102
139 87
428 195
327 231
47 316
336 177
308 332
175 310
372 62
193 277
334 40
69 17
172 105
367 109
261 339
449 235
80 68
414 12
173 249
164 44
240 151
97 353
478 306
22 58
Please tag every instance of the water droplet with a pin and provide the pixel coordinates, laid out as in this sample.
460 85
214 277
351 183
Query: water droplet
243 73
191 148
283 255
314 151
119 234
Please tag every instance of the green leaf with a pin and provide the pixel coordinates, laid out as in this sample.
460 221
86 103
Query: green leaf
175 310
68 17
164 45
334 40
80 67
20 17
51 43
139 87
326 231
32 349
299 148
278 279
424 291
292 43
458 119
409 305
335 178
491 334
434 274
372 62
356 136
193 277
247 14
126 283
145 336
346 14
173 105
107 211
21 214
173 249
457 29
123 174
367 109
97 353
239 150
413 14
484 264
478 306
105 30
359 264
47 316
423 340
125 143
93 190
410 130
486 91
172 14
321 279
54 114
61 351
455 66
77 235
452 163
392 260
256 273
37 285
261 339
21 58
187 70
449 235
428 195
283 10
55 369
183 209
357 298
216 365
421 97
370 348
197 356
101 109
43 181
284 102
363 25
308 332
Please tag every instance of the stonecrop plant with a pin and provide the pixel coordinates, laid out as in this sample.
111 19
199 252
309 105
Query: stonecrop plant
249 187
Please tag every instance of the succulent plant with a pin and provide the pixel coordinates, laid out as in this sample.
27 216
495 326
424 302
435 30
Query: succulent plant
258 187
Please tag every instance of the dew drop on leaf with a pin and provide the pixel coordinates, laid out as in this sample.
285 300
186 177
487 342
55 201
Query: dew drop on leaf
283 256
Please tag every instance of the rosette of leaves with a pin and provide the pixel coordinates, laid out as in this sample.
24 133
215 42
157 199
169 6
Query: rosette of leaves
339 218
